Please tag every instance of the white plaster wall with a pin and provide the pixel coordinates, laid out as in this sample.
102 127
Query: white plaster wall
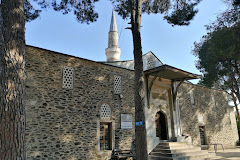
123 64
152 140
151 110
178 128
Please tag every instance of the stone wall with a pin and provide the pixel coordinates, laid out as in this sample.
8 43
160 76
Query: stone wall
63 123
209 108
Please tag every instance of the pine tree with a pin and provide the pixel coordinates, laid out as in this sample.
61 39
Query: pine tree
13 14
177 12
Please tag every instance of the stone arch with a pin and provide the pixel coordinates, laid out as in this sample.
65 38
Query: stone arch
161 125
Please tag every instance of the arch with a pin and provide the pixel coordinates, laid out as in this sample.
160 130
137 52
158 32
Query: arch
105 112
107 103
161 125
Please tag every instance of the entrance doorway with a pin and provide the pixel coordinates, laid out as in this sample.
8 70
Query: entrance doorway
105 136
202 135
161 126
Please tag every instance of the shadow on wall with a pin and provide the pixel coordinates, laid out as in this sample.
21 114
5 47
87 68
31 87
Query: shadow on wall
216 117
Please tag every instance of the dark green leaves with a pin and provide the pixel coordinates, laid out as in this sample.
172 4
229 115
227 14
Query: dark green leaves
30 12
182 16
219 56
156 6
83 9
236 2
177 12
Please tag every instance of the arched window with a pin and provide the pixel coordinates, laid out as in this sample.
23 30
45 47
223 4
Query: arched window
105 112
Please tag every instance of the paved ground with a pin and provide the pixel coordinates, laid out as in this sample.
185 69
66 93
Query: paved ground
229 154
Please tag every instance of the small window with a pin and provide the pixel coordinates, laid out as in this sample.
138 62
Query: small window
105 112
67 77
117 84
192 97
200 119
105 136
150 62
213 101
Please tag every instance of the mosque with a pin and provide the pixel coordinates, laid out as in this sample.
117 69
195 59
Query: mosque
82 109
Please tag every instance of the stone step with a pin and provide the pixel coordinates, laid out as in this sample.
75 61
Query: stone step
174 147
180 150
216 158
193 153
196 157
180 154
173 143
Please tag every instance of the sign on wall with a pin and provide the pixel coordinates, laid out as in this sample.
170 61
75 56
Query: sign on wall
126 121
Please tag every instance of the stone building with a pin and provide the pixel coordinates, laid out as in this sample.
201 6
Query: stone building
82 109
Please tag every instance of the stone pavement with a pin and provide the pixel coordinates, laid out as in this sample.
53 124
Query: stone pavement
228 154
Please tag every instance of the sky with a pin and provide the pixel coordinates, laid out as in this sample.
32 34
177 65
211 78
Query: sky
172 45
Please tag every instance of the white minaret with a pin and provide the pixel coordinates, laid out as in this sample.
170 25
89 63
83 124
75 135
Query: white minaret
113 51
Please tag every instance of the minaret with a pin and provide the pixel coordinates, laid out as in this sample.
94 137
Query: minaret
113 51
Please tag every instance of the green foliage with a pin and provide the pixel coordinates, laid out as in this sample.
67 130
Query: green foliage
219 51
30 12
236 2
83 9
176 12
219 56
182 16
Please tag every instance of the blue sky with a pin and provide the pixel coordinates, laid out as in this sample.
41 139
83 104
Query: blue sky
172 45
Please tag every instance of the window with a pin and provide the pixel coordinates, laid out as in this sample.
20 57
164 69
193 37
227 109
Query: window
67 78
105 136
192 97
150 62
200 119
213 101
105 112
117 84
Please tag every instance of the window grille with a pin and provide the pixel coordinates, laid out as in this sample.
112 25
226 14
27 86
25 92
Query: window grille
105 112
67 77
150 62
117 84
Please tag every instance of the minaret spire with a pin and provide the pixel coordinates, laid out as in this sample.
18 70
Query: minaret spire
113 51
113 25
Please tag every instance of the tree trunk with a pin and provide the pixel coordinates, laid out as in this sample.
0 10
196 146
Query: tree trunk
12 82
236 107
139 91
235 85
